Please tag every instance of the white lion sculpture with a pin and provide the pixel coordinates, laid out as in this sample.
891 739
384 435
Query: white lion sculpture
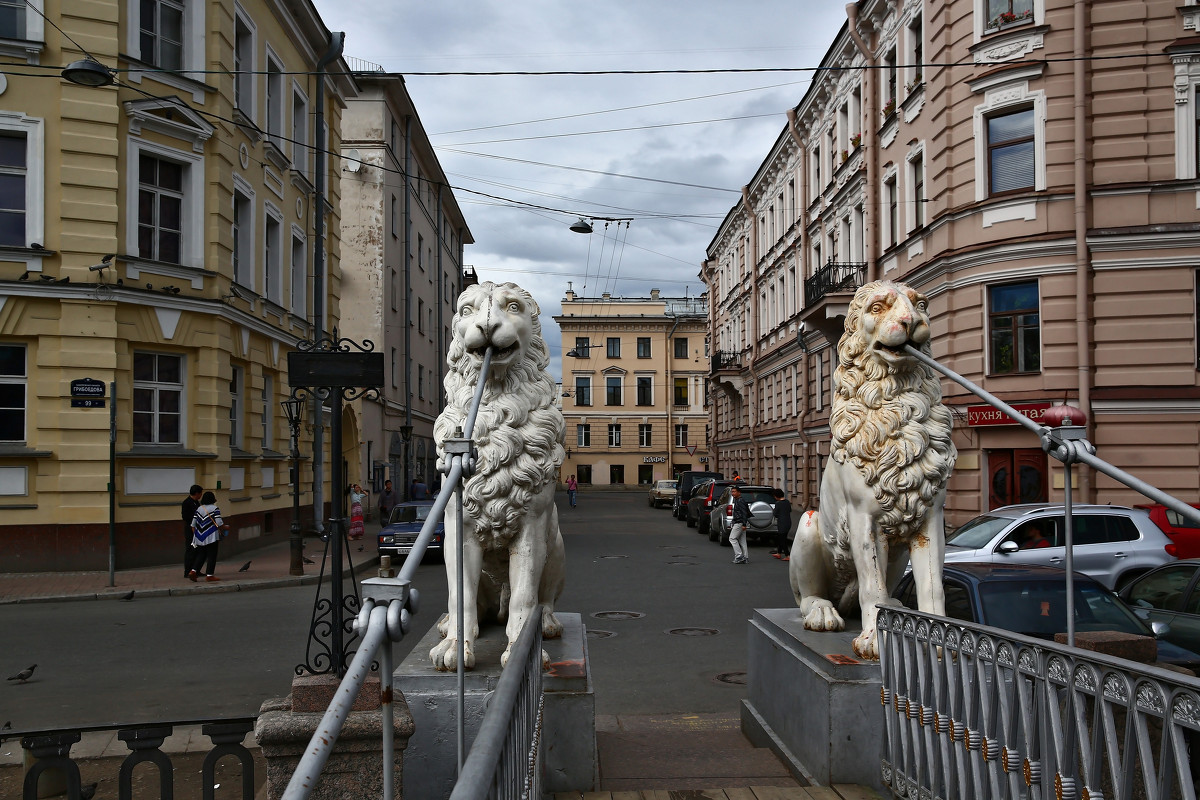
884 488
513 549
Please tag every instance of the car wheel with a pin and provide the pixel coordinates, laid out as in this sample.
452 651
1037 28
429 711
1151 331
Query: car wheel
713 533
691 523
652 504
703 526
1126 578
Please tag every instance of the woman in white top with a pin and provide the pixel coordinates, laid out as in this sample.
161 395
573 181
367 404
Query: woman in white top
207 529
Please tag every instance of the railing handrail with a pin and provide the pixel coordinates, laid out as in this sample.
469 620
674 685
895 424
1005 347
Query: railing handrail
18 733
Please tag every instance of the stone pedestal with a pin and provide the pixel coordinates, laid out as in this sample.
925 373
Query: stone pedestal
812 701
355 768
568 716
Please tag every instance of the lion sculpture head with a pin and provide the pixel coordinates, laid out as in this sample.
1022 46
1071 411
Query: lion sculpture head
887 418
519 430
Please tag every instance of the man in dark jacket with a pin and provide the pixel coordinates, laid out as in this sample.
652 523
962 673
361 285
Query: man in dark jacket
737 534
187 511
783 518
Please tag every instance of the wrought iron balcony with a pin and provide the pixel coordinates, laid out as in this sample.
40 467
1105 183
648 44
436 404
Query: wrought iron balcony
726 359
834 277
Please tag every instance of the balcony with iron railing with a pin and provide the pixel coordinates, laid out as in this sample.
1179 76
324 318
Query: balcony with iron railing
833 278
726 361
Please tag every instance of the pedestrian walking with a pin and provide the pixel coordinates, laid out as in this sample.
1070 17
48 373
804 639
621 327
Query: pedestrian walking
387 501
187 512
419 490
737 535
208 528
357 498
783 526
572 489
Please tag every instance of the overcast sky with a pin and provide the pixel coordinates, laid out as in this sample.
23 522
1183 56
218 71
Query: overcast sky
669 151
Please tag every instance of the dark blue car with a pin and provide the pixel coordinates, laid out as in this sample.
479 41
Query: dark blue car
397 537
1031 600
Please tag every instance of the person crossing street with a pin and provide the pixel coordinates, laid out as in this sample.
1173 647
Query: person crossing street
737 534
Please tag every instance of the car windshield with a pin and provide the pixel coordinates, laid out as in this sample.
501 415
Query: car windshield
1039 608
410 513
978 532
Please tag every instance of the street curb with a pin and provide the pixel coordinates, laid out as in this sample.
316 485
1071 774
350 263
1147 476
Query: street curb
184 591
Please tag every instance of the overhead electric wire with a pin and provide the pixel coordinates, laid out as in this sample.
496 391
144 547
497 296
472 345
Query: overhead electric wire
613 130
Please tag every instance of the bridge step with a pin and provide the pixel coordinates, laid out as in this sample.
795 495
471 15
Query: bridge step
837 792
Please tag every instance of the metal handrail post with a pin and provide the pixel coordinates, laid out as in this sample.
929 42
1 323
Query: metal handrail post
386 696
308 771
461 734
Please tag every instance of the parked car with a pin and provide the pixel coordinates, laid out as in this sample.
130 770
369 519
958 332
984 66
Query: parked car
1113 544
397 537
687 484
1183 532
662 493
762 514
1171 595
700 504
1031 600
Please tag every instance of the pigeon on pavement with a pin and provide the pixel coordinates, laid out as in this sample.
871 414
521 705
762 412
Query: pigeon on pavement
88 792
244 567
308 560
7 726
24 674
128 597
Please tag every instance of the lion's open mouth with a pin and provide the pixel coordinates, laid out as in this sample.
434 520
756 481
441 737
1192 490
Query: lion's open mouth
497 353
895 349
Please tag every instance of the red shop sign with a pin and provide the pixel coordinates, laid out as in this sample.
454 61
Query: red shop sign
981 416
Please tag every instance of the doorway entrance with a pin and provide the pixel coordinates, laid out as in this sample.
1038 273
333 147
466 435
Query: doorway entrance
1016 476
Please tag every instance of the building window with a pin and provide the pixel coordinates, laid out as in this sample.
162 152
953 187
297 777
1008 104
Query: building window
393 289
299 276
157 398
13 378
12 19
300 151
583 390
643 347
916 188
585 474
681 347
395 217
892 202
272 244
160 209
243 66
13 194
582 347
1010 157
162 33
614 435
1014 328
614 347
420 381
243 238
1008 12
616 474
889 88
268 420
420 315
681 436
612 391
645 434
583 435
236 406
681 391
394 370
645 391
275 102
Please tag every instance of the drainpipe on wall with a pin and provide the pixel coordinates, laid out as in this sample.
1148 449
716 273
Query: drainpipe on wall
408 445
752 257
443 345
1082 257
336 41
706 268
669 352
805 248
871 140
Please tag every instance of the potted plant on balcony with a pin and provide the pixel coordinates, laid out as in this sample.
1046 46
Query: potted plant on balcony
855 141
889 108
1007 18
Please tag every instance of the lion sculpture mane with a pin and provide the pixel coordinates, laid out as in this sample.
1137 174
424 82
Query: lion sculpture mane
883 491
513 549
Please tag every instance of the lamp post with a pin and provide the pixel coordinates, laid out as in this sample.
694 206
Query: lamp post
293 409
406 434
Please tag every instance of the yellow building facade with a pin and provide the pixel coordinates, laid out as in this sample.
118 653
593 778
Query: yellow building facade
634 401
156 267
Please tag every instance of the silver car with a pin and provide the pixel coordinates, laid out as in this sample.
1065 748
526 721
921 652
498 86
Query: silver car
662 493
1112 544
761 524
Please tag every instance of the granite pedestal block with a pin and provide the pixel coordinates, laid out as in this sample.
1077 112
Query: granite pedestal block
355 768
812 701
568 716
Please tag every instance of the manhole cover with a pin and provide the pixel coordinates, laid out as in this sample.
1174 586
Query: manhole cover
738 678
692 631
671 546
618 615
681 563
614 556
595 634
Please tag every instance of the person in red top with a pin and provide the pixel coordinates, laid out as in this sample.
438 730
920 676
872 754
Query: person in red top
1031 538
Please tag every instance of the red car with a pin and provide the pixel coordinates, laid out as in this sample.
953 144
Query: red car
1184 533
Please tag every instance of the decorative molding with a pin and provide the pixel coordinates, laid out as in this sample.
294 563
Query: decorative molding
159 115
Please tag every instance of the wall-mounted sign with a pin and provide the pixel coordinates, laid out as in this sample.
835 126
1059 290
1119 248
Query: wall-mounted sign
984 416
703 459
87 402
654 459
335 369
87 387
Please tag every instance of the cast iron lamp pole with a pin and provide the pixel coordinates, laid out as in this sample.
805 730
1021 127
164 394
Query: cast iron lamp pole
406 432
293 409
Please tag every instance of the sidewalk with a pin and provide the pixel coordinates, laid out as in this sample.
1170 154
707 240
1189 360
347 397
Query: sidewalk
268 570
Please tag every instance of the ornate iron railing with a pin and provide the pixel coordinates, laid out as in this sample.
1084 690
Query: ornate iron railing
973 711
724 359
834 277
51 750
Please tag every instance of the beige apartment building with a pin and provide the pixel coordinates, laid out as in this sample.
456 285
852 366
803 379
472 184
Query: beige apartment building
1030 165
158 236
634 395
403 235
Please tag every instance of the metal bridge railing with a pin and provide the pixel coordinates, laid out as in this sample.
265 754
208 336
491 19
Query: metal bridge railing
505 758
973 711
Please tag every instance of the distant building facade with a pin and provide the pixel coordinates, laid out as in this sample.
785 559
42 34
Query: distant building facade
403 236
634 397
1059 248
156 235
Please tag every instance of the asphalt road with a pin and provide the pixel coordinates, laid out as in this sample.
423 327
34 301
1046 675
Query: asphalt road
214 655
